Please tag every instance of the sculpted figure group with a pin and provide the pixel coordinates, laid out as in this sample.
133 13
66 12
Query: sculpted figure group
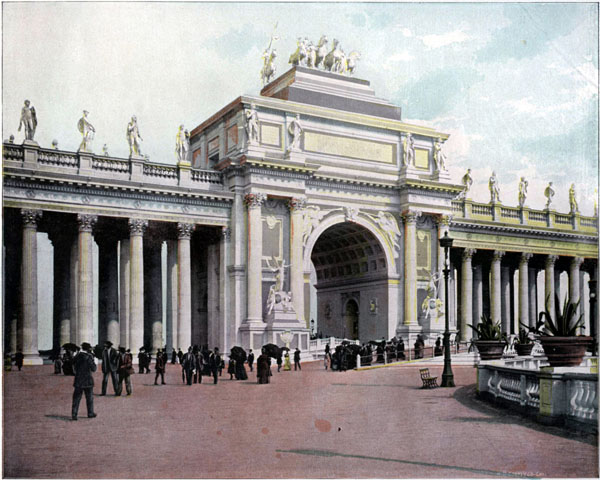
320 56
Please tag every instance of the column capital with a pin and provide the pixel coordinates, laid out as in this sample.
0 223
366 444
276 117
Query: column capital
30 218
443 220
85 223
551 260
296 204
576 262
498 254
185 230
524 258
410 217
254 200
468 253
226 234
137 226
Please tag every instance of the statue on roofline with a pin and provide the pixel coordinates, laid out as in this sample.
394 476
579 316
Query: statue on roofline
523 184
549 194
572 200
494 188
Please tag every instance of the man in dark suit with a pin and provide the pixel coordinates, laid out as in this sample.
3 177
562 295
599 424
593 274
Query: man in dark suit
125 370
250 359
297 359
215 363
19 359
199 364
110 366
84 366
189 365
159 366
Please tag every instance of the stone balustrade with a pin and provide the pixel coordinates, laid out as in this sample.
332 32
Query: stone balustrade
468 209
51 161
552 395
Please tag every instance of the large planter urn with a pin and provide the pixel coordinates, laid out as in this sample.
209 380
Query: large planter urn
565 351
490 349
523 349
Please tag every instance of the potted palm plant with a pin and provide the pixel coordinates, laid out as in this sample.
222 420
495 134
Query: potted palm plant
524 342
562 345
490 340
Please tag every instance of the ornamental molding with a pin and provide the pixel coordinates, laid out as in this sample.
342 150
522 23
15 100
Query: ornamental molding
297 204
468 253
497 256
336 185
522 232
30 217
137 226
551 260
254 200
85 222
524 258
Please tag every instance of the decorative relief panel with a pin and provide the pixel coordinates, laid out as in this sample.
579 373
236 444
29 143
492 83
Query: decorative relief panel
422 158
270 134
232 137
349 147
423 253
272 238
213 144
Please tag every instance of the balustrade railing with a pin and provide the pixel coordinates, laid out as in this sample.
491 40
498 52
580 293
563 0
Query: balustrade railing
485 210
508 212
207 176
164 171
12 153
110 165
537 216
563 219
62 159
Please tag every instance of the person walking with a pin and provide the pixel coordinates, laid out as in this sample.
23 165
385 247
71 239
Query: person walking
19 359
159 366
110 365
189 365
215 364
297 359
180 355
262 368
199 365
84 365
125 370
279 362
250 360
231 368
174 357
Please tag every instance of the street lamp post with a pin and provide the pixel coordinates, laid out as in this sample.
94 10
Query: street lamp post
593 330
447 375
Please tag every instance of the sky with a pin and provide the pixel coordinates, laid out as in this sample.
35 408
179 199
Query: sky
515 85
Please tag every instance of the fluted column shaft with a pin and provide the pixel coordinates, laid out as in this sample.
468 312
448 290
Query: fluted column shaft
505 298
477 295
153 294
29 327
574 290
495 290
296 206
62 288
524 290
255 306
136 283
410 269
549 292
74 288
212 294
172 292
124 293
184 285
85 290
533 308
108 290
466 310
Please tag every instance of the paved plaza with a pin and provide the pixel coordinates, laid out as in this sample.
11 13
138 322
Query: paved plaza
311 423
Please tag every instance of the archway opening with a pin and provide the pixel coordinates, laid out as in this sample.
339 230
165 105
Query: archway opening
349 284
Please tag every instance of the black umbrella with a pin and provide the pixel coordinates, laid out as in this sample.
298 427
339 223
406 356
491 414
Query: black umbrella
238 353
70 347
98 351
272 350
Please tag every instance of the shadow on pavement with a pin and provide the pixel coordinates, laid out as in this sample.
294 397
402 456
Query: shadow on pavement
60 417
467 396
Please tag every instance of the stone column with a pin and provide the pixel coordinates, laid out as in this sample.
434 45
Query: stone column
85 289
153 293
108 290
255 304
137 227
477 295
583 304
495 290
410 268
227 330
466 310
505 298
29 326
574 282
184 285
212 295
74 288
296 206
523 290
172 291
533 309
124 293
549 284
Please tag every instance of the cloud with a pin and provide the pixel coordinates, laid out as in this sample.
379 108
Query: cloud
437 41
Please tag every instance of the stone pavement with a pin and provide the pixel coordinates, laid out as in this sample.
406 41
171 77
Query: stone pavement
310 424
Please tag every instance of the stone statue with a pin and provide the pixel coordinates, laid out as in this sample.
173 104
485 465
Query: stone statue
310 220
494 188
278 266
523 184
105 150
438 156
295 130
299 56
549 194
320 52
467 181
251 125
572 200
54 144
87 131
268 70
335 60
351 62
182 144
28 120
389 225
408 148
134 138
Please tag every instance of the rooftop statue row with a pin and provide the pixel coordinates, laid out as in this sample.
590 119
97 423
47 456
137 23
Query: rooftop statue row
494 188
86 129
308 54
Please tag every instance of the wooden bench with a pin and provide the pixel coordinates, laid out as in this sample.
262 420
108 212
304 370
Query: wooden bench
428 380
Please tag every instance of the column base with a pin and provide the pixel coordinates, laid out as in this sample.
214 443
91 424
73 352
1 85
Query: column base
409 332
253 334
33 359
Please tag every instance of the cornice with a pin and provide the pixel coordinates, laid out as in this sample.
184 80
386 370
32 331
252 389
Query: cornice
523 230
